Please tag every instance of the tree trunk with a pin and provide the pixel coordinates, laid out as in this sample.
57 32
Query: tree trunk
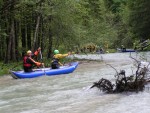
1 50
42 36
29 36
36 33
23 35
17 27
13 46
8 54
50 45
7 39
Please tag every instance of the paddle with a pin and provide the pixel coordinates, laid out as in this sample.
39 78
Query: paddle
43 64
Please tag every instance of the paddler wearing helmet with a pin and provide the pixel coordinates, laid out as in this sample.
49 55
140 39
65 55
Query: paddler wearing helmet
28 60
55 64
123 48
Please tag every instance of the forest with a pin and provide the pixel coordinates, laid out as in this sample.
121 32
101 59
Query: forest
65 24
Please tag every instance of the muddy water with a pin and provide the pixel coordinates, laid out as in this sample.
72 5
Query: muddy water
70 93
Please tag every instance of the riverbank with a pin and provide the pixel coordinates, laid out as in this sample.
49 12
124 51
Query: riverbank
5 68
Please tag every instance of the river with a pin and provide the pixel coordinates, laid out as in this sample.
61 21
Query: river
70 93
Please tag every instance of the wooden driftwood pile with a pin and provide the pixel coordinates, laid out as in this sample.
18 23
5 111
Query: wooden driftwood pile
123 83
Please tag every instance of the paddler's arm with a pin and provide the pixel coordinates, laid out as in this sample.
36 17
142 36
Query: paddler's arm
59 56
36 52
36 63
62 55
60 64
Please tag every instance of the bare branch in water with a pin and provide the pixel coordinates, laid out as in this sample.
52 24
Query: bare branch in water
134 58
113 68
135 82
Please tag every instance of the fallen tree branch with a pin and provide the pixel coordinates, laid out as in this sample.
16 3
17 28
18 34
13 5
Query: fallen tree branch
123 83
113 68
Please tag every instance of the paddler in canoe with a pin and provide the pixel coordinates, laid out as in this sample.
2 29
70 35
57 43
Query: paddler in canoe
123 48
28 60
55 64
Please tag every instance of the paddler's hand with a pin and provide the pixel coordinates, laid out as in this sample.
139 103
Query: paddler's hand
38 64
60 64
39 49
69 53
42 64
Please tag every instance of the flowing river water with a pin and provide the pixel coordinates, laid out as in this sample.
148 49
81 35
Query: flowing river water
70 93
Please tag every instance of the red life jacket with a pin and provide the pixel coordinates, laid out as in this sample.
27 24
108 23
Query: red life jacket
25 62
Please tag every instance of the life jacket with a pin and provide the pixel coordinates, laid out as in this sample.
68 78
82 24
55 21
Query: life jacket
25 62
55 61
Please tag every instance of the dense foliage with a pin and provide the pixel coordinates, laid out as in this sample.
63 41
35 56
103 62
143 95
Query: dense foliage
63 24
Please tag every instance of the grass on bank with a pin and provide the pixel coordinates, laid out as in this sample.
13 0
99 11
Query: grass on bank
5 68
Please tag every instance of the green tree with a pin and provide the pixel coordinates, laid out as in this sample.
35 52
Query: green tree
139 19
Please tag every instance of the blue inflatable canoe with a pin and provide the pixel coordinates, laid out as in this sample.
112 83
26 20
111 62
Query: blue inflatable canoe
46 71
126 50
